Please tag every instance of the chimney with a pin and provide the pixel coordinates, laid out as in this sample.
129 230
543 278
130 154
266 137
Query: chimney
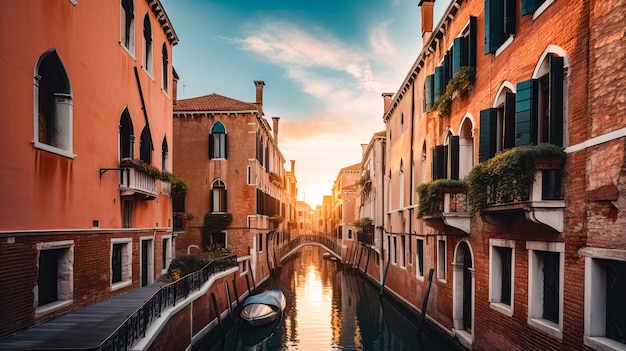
293 166
427 18
363 149
275 127
387 97
259 91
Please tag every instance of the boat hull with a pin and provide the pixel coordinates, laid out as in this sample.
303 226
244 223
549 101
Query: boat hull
263 308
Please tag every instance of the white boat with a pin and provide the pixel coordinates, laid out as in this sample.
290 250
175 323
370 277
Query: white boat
263 308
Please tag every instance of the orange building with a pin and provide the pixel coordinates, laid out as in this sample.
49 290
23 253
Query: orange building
85 211
239 192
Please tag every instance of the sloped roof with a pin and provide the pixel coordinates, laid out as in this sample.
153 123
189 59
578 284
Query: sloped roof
213 102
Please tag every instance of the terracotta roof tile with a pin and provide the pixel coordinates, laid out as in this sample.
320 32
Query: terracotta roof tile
213 102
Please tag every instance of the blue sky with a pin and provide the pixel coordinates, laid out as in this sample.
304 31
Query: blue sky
325 65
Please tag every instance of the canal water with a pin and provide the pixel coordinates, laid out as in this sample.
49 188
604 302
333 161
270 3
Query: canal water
329 308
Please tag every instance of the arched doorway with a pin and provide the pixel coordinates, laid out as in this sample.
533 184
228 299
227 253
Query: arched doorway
463 291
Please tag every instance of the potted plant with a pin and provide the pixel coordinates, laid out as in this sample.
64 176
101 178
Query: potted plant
175 274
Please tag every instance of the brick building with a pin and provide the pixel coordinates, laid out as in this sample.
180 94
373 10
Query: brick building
85 203
239 192
503 174
344 205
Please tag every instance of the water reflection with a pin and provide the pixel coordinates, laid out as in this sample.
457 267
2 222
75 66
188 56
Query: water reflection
329 309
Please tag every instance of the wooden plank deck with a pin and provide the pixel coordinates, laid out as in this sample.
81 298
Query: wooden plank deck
86 328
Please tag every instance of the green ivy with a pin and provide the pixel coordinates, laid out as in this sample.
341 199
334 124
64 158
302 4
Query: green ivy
431 196
459 85
512 172
363 222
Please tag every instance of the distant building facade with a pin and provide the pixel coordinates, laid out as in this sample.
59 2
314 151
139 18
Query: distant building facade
344 197
86 212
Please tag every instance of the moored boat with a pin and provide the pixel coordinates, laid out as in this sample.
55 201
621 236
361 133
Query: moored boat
264 307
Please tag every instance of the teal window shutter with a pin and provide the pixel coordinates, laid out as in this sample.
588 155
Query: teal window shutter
439 85
494 25
526 112
428 92
453 157
471 42
488 132
556 100
459 54
225 145
439 162
509 120
509 16
450 68
211 145
529 6
447 63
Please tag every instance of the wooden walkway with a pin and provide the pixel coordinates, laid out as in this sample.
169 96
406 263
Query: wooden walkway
83 329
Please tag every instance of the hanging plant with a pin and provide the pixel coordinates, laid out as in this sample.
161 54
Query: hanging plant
217 220
179 187
363 222
459 85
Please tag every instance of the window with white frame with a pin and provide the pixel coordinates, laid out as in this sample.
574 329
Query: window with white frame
166 254
419 257
605 307
55 278
218 196
402 251
535 7
501 275
217 141
127 26
545 286
394 256
441 257
121 263
53 120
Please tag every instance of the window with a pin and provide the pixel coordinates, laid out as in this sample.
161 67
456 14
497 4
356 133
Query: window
243 267
394 256
127 24
401 186
216 239
429 93
165 67
145 146
164 156
147 44
350 234
53 124
501 273
55 280
539 105
497 126
535 7
259 242
441 258
127 137
419 253
440 154
128 213
121 263
218 196
545 286
452 156
499 23
605 309
466 147
402 251
166 253
217 141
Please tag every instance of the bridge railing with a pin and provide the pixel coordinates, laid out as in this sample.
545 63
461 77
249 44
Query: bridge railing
305 239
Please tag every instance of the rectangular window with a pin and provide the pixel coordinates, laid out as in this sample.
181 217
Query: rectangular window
501 273
419 253
248 175
395 250
499 23
55 281
545 282
128 214
121 263
167 253
402 251
259 242
441 259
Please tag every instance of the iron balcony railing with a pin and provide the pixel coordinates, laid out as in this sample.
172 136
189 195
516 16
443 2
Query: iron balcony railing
136 325
548 185
366 235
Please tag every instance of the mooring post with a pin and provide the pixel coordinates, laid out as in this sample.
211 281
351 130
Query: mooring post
425 303
382 286
367 261
217 311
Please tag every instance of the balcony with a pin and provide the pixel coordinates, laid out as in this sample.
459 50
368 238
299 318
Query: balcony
444 206
138 184
524 184
366 235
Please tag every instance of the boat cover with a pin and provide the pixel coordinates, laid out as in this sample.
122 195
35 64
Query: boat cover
269 297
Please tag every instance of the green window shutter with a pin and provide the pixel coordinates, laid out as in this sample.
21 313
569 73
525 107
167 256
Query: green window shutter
509 120
439 163
526 112
509 16
447 62
428 92
225 136
556 100
453 157
488 132
494 25
450 68
224 201
459 54
211 145
438 83
529 6
471 42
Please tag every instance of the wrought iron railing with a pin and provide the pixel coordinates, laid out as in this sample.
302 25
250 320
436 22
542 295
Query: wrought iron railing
366 235
304 239
549 188
136 325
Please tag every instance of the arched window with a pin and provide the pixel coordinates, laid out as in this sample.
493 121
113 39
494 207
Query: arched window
147 44
127 136
218 196
53 105
127 24
145 146
165 65
466 148
164 156
217 141
401 180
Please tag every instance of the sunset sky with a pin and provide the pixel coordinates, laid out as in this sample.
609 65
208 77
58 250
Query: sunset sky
325 64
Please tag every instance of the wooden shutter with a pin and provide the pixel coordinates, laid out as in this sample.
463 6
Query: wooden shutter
439 163
459 55
488 130
494 25
529 7
225 145
211 141
447 67
453 157
471 42
526 112
556 100
224 201
439 87
509 16
428 91
509 120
